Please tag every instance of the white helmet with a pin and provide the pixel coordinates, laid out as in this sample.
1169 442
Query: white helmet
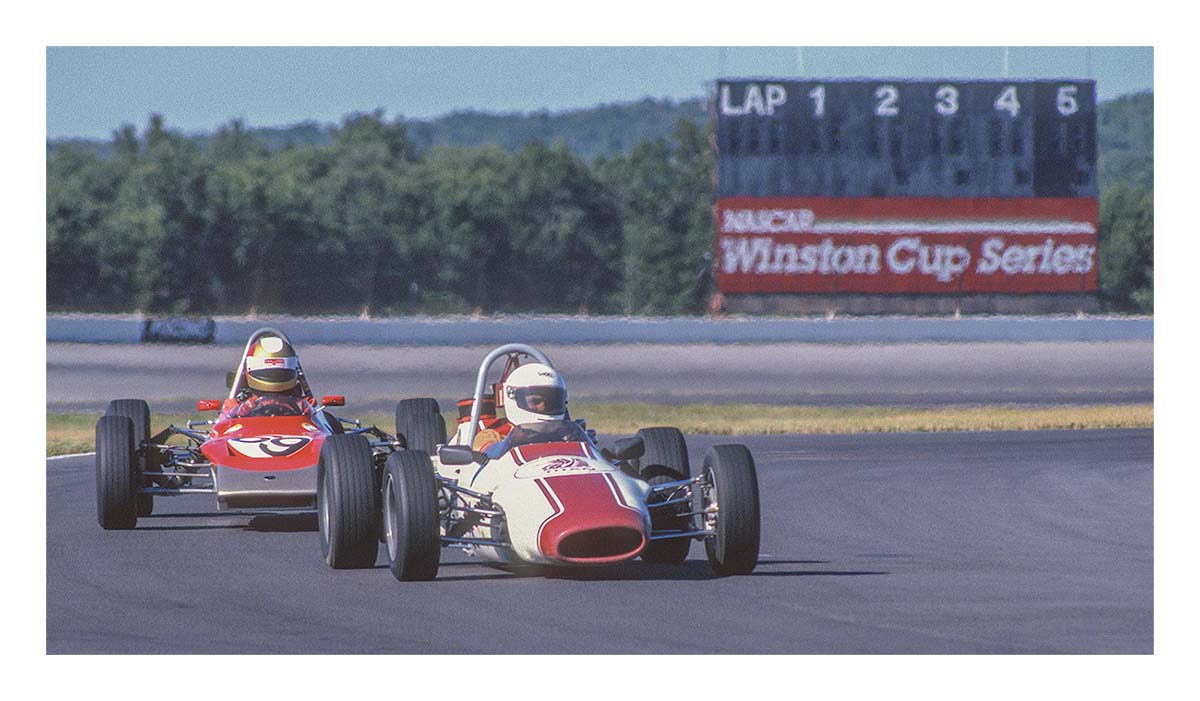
533 393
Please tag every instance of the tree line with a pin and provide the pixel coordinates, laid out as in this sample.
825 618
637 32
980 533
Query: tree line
364 224
370 220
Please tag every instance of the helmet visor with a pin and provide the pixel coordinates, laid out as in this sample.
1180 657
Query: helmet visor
273 370
547 401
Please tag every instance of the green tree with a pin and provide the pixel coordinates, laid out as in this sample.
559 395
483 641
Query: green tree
567 232
666 212
1126 247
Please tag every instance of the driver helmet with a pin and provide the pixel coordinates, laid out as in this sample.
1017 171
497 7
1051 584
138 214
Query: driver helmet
534 393
272 365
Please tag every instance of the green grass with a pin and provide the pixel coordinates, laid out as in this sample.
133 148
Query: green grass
74 433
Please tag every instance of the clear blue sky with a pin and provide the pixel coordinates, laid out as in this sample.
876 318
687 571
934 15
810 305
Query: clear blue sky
90 91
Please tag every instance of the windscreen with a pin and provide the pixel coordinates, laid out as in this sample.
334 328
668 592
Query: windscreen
545 432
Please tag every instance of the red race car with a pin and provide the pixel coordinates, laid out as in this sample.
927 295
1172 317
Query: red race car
267 448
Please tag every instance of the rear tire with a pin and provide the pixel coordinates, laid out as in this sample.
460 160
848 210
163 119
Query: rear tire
665 446
420 422
731 484
347 511
410 516
116 474
673 551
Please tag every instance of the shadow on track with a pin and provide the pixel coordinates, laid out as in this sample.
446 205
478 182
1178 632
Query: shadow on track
304 522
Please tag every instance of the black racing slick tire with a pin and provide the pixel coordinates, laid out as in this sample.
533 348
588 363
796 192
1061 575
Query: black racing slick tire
116 474
665 446
672 551
347 508
420 422
410 516
729 497
137 411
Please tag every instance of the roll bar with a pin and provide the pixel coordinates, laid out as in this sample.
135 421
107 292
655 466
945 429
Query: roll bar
481 379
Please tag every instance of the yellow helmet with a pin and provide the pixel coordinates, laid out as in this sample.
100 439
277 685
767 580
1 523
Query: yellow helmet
272 365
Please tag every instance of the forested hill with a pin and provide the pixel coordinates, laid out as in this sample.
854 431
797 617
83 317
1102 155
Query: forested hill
1125 125
606 130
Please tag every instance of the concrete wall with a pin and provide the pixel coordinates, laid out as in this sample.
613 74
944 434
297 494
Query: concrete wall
569 330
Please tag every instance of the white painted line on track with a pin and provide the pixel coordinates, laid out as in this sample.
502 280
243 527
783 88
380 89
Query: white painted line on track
72 455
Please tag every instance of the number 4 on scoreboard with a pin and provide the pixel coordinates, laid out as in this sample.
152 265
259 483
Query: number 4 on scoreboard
1007 101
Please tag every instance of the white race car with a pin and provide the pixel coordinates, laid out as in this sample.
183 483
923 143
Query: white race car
546 494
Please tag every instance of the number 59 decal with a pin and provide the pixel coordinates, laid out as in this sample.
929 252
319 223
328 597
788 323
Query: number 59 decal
268 446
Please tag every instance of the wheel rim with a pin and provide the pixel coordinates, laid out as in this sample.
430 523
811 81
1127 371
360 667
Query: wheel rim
389 518
712 509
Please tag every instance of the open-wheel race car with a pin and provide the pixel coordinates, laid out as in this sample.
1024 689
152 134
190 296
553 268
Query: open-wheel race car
534 487
262 452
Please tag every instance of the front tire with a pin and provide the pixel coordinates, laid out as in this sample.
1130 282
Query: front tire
729 500
116 474
420 422
347 511
410 516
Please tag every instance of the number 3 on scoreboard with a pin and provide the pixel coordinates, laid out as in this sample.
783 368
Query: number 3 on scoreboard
947 103
1007 102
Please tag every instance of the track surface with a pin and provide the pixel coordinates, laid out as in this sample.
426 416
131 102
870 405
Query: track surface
897 543
83 377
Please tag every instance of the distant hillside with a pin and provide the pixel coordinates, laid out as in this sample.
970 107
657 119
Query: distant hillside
606 130
1125 125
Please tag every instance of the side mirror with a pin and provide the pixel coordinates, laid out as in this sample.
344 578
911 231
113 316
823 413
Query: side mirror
629 448
208 405
333 400
459 455
230 377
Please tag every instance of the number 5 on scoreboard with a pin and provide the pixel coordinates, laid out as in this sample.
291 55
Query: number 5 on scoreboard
1068 104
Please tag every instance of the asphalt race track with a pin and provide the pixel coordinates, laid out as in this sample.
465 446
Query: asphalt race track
83 377
888 543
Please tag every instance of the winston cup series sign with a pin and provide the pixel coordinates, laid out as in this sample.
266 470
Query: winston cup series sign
906 245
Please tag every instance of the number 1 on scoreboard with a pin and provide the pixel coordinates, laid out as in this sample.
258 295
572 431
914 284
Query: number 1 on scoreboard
818 97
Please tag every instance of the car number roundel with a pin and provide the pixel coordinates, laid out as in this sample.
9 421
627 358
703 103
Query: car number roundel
269 446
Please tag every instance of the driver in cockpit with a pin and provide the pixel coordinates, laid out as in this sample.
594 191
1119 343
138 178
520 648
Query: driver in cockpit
272 386
535 403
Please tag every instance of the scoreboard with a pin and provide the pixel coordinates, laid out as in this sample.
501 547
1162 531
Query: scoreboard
893 186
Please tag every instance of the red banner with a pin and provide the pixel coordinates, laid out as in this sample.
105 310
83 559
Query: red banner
906 245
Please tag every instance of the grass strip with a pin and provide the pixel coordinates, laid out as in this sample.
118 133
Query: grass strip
75 433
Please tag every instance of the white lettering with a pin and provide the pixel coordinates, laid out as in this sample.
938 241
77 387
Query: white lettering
753 101
776 96
727 108
990 262
767 221
1045 259
761 255
896 264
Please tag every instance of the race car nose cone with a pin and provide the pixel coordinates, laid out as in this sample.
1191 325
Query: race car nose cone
591 523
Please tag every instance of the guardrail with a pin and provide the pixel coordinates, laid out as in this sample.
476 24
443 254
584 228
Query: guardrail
134 328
